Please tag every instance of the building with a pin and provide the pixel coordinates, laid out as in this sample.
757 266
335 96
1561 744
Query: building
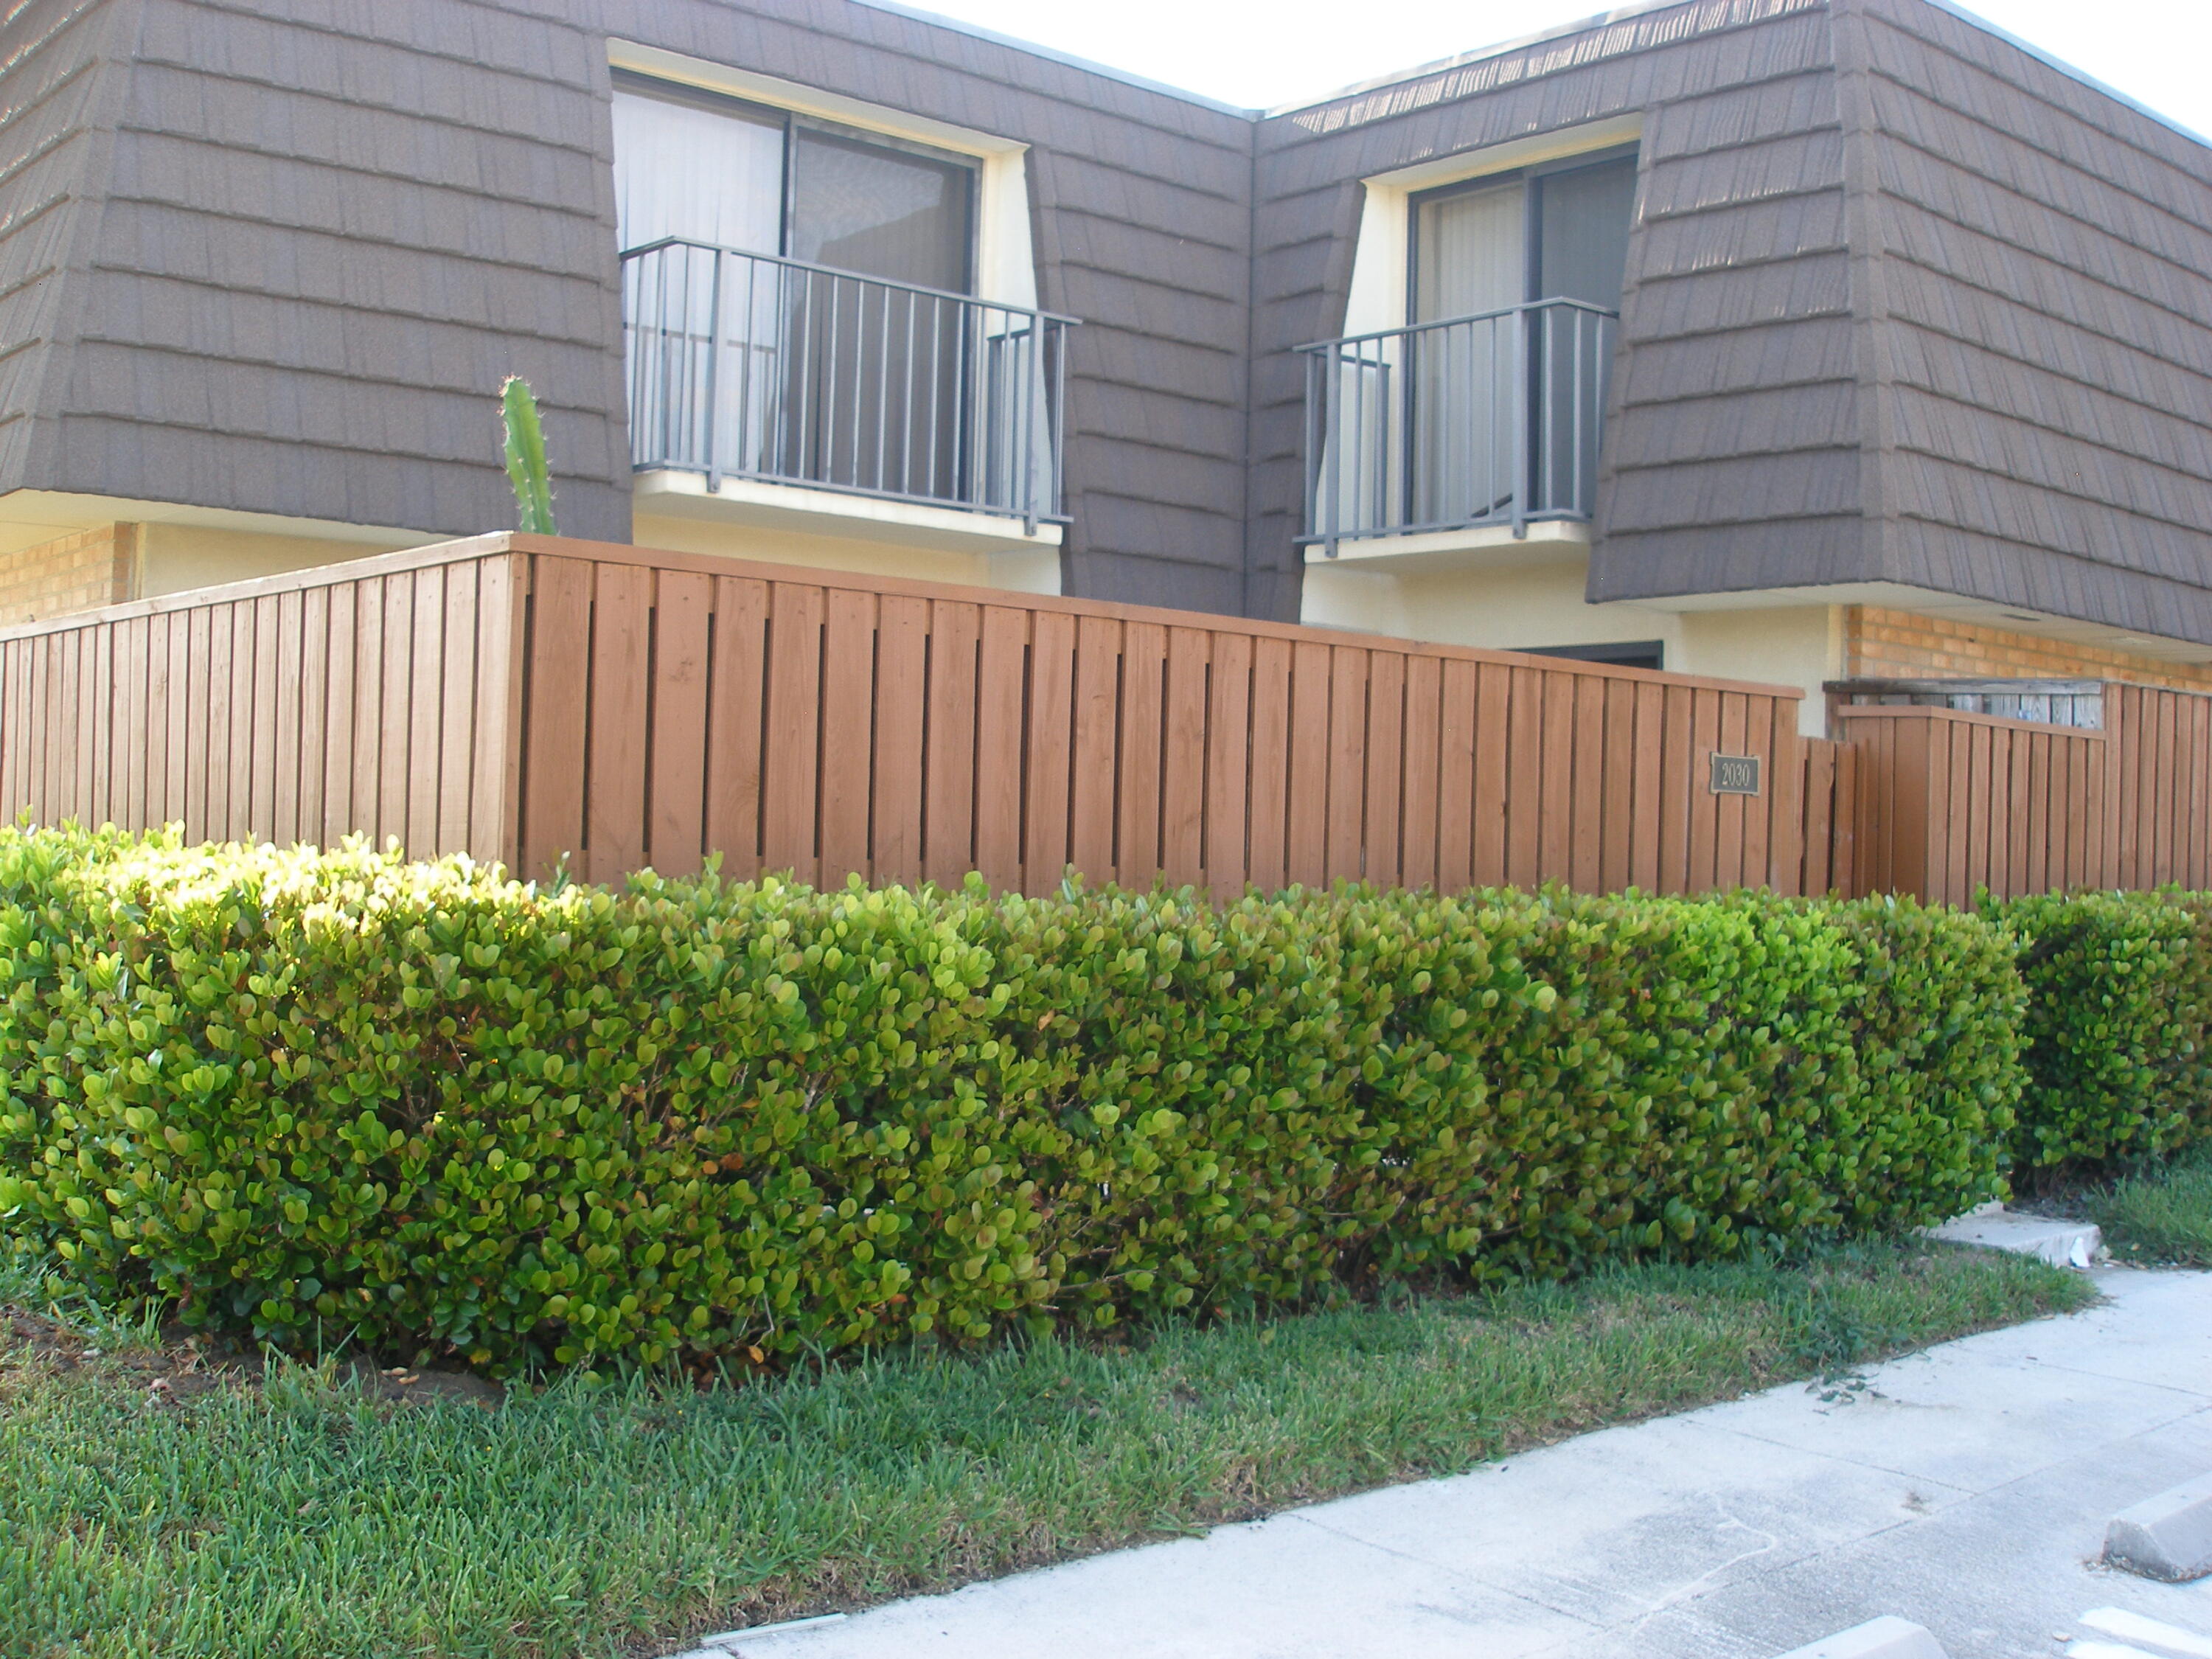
1786 339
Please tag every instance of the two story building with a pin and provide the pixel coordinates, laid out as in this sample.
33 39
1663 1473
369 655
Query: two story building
1793 340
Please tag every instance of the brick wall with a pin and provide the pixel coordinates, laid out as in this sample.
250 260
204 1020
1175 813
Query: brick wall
71 572
1898 645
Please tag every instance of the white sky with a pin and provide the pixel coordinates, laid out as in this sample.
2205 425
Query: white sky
1260 54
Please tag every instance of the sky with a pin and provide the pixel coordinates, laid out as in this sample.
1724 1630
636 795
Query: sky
1260 54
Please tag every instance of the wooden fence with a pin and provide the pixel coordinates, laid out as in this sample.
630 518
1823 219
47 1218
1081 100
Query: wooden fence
1971 801
524 698
2160 784
376 695
1830 836
530 700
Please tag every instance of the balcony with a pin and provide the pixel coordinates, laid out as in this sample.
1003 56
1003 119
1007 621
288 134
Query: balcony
1490 421
745 365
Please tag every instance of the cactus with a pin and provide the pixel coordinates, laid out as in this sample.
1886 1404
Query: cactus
525 458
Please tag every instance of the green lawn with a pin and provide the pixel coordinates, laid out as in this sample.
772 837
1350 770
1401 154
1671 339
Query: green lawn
304 1517
2158 1216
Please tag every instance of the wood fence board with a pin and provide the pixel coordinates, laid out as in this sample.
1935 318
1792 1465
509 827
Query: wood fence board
56 682
2132 865
15 727
2032 872
736 711
1705 737
284 800
1671 737
901 710
1522 797
456 695
1643 736
1048 808
1424 751
100 705
1458 807
1619 812
1183 757
1585 832
1346 799
1555 796
1002 662
676 783
1092 807
314 639
2189 826
1823 814
133 636
1730 811
1777 850
1492 763
395 763
1229 726
424 709
1382 838
553 774
207 816
1144 745
1307 832
790 767
848 734
949 763
339 700
1270 808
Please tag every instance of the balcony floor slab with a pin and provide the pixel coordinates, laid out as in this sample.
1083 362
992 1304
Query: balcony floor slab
1479 547
808 510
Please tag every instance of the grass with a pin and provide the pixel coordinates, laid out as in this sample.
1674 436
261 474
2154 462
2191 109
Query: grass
2160 1215
301 1515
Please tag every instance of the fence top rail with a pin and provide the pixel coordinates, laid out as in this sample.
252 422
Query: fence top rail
716 564
1872 686
426 557
1961 717
667 242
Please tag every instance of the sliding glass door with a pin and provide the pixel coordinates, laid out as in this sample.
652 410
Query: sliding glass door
1470 260
877 387
796 366
1499 362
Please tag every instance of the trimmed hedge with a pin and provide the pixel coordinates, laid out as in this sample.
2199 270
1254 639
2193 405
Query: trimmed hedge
2120 995
313 1096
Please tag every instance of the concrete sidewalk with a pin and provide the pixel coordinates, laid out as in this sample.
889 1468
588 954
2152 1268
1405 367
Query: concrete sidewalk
1968 1489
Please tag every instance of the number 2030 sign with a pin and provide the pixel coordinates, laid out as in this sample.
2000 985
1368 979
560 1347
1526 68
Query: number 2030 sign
1735 775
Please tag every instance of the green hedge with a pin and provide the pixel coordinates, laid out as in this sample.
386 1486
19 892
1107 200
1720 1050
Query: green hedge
312 1096
2120 993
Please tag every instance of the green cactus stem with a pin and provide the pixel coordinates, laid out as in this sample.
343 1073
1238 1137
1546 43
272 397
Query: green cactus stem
525 458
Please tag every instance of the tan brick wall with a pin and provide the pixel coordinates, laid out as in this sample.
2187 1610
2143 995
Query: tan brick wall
81 572
1898 645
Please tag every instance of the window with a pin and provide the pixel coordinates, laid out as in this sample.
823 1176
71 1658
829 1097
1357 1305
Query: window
706 167
1558 231
1626 654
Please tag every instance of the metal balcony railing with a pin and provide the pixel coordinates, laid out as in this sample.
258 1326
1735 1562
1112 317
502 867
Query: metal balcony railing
1489 419
750 366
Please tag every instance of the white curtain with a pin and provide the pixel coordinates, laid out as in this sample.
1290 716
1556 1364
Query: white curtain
1472 253
709 175
1471 257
